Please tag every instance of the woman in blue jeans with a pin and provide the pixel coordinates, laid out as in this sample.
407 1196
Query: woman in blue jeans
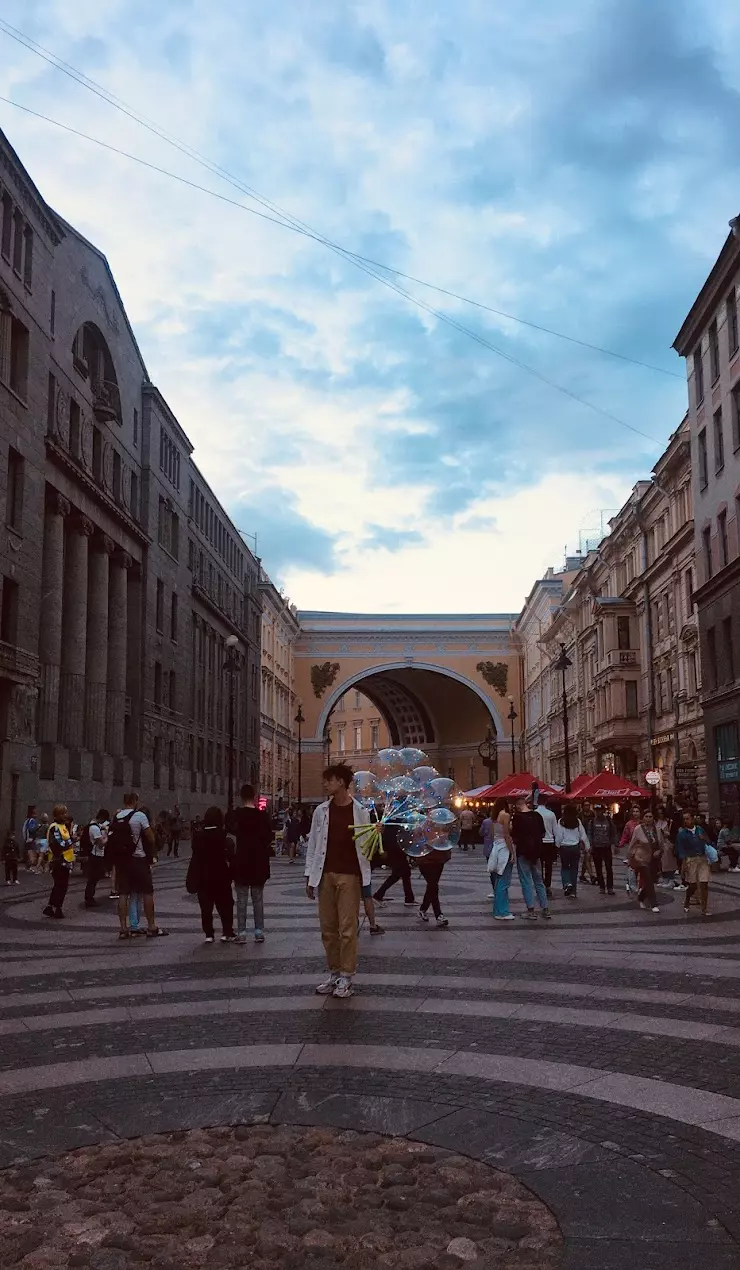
570 837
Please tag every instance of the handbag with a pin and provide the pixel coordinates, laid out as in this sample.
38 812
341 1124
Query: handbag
711 853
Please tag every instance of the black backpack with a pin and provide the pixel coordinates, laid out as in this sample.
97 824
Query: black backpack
85 843
121 843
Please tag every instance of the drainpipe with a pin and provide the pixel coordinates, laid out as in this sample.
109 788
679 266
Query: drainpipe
648 653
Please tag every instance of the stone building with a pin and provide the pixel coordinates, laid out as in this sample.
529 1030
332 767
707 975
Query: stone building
279 704
121 575
628 625
710 342
357 730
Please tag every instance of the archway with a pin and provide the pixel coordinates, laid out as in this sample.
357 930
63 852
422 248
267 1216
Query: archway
93 361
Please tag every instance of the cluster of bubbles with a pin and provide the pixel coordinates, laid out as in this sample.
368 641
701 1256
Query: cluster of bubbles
403 790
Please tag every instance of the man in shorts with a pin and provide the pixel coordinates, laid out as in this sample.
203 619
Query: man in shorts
133 870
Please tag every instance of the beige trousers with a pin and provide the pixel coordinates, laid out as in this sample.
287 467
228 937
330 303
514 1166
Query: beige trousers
339 906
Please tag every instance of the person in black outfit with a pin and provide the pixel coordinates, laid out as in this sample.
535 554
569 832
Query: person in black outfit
11 856
253 832
430 868
209 875
400 867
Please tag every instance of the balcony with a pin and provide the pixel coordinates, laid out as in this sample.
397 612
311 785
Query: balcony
106 402
618 659
618 732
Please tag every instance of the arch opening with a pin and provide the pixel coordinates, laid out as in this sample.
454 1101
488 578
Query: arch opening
94 362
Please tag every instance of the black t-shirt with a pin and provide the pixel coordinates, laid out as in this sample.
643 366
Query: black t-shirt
528 832
253 834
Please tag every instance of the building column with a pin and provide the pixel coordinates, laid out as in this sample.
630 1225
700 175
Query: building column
96 656
52 608
117 651
74 635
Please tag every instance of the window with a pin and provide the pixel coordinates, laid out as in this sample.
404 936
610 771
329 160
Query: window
173 618
736 416
173 690
175 535
669 612
157 683
688 584
698 376
726 742
706 542
374 736
669 689
116 476
713 351
17 242
9 611
732 329
358 699
711 658
729 652
28 257
693 674
630 698
136 427
703 466
7 229
719 441
722 536
341 740
134 496
623 632
74 428
160 605
53 314
358 738
14 490
658 693
18 364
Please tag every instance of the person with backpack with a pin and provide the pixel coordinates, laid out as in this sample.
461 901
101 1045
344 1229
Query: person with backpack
93 845
62 853
131 847
29 832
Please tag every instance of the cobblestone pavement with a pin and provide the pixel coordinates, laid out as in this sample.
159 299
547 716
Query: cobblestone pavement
587 1070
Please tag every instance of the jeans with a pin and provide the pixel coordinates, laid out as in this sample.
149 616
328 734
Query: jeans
60 877
223 899
400 872
603 860
531 882
431 871
135 910
97 871
569 860
500 883
258 907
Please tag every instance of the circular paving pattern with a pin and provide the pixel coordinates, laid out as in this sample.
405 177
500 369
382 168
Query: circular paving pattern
282 1198
592 1061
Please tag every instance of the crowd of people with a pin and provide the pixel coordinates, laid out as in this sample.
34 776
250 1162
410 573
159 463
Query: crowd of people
666 847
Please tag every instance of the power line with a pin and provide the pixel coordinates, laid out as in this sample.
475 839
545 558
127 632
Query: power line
387 282
100 91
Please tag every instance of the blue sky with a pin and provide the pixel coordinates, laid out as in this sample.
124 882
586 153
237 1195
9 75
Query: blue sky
572 164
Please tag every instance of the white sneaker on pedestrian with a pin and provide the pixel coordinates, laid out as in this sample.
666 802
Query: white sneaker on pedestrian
327 986
409 903
655 908
424 916
209 939
504 917
344 988
442 920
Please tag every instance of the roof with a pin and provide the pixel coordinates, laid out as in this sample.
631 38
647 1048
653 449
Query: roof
726 264
53 224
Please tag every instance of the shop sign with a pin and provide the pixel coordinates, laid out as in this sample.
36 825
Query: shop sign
729 769
666 738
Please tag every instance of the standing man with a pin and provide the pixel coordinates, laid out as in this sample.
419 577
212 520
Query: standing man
467 829
29 831
175 831
337 869
253 833
132 849
292 833
528 831
602 835
62 860
97 835
549 852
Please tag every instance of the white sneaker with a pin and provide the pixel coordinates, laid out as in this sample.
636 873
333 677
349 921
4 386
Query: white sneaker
326 988
679 886
655 908
505 917
209 939
409 903
442 920
424 916
343 988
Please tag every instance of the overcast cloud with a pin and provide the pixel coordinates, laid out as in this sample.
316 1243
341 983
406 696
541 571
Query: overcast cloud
573 164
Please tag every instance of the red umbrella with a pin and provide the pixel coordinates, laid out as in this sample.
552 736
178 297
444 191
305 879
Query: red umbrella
605 785
519 785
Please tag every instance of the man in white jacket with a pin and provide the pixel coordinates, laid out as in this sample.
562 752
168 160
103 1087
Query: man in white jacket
337 869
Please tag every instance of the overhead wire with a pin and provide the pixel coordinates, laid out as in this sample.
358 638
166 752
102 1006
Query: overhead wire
286 217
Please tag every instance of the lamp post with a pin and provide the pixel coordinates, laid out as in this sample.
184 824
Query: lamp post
562 664
232 658
512 716
327 738
488 750
300 720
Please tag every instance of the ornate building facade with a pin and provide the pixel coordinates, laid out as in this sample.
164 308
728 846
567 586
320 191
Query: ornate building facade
709 340
122 577
357 730
279 704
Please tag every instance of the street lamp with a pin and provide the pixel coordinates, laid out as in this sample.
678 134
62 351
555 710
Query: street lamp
562 664
512 716
232 660
488 750
300 720
327 738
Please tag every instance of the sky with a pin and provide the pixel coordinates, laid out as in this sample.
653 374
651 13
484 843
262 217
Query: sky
573 165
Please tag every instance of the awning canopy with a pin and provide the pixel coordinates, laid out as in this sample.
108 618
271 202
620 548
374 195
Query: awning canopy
519 785
481 792
605 785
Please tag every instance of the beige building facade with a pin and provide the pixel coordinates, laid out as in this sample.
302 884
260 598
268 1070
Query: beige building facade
278 705
357 730
628 625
